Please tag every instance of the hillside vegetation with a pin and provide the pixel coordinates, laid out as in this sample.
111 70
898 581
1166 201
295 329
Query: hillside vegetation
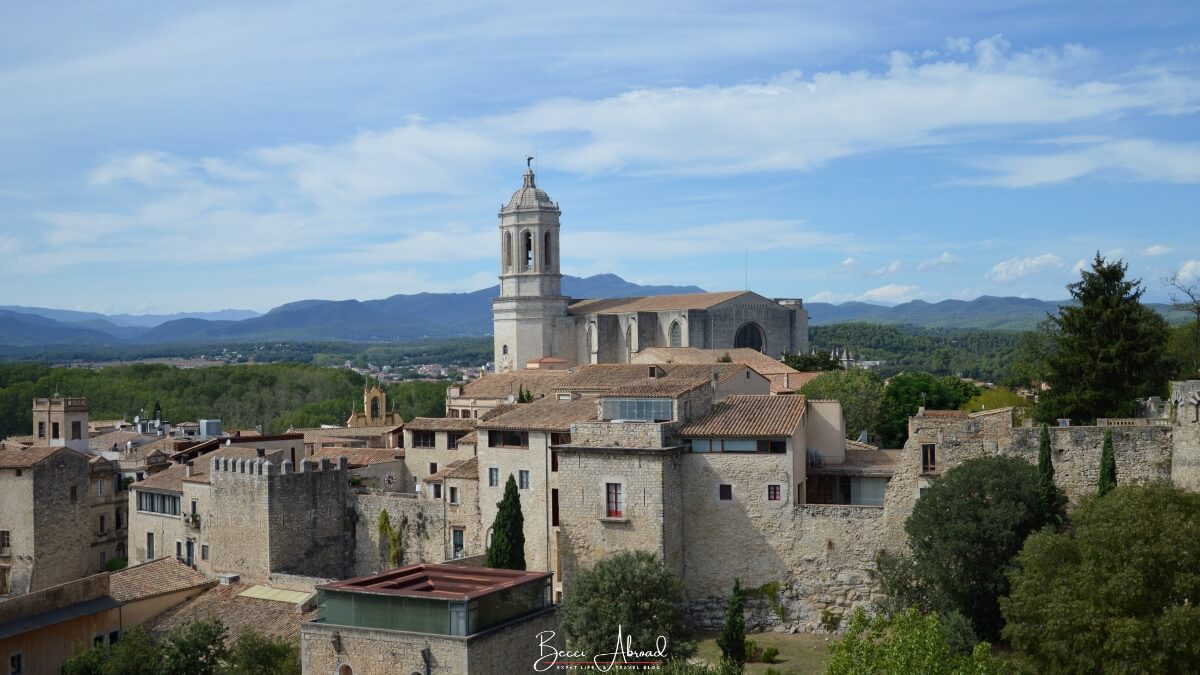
275 396
982 354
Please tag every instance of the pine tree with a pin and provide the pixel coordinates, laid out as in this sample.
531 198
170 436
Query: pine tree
1048 494
733 634
507 550
1109 349
1108 465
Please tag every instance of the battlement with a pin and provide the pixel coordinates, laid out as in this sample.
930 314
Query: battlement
227 466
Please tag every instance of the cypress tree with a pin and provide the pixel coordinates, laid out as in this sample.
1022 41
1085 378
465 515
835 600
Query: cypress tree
1108 465
507 550
733 634
1048 494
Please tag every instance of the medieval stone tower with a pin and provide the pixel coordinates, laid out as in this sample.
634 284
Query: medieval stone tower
530 317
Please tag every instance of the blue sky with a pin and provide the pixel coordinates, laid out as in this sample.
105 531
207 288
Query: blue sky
167 157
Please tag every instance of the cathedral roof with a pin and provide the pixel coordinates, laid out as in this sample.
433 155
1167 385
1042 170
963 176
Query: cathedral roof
653 303
530 196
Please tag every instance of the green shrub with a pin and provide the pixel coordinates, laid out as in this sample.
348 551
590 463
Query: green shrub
769 654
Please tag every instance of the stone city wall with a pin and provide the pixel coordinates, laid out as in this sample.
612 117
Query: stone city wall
371 651
422 523
1185 425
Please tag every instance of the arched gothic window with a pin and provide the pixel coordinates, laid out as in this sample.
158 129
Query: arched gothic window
374 406
750 335
676 336
508 251
546 251
528 250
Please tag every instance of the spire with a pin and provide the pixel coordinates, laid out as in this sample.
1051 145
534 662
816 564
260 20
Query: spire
529 172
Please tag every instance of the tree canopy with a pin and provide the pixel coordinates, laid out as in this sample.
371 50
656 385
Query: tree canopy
1108 350
859 391
811 363
194 647
1118 593
964 533
633 590
999 397
507 549
907 642
907 392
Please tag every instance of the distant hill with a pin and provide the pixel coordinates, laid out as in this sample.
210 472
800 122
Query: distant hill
985 312
438 315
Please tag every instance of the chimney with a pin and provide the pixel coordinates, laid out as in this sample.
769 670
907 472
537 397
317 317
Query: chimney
261 452
187 470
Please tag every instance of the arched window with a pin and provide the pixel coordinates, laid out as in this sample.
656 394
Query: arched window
630 336
528 250
676 336
504 350
345 669
750 335
508 251
546 251
591 339
374 406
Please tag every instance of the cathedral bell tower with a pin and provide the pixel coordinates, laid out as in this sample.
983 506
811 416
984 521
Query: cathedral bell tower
530 317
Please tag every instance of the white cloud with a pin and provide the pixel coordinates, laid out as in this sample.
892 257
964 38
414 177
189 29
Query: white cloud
720 238
829 296
1079 266
890 268
891 293
944 260
847 264
1136 159
1190 271
1015 268
146 168
1156 250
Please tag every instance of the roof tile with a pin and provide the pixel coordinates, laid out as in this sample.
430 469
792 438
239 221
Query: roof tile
749 416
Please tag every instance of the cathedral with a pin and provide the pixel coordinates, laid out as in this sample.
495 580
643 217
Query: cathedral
532 320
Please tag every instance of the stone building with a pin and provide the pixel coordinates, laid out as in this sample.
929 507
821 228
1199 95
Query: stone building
533 320
375 412
46 527
431 619
61 421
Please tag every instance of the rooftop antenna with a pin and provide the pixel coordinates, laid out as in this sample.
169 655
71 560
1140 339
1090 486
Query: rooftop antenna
747 269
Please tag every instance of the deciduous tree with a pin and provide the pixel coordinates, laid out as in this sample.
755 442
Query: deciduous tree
859 391
907 642
907 392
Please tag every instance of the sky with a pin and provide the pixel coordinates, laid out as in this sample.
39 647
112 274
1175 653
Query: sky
160 157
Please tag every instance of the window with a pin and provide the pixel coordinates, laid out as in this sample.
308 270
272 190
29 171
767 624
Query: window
639 409
528 250
54 430
523 479
98 641
204 551
74 493
498 438
76 431
773 493
16 664
424 439
493 476
772 446
120 521
560 438
4 590
928 457
453 495
554 507
103 524
676 335
100 488
725 492
507 254
437 490
546 251
750 336
41 429
432 468
374 406
846 490
179 550
457 537
114 637
193 507
149 546
614 501
504 350
452 439
453 414
156 502
701 445
553 461
5 540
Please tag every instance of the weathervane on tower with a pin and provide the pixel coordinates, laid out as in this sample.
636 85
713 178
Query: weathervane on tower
529 162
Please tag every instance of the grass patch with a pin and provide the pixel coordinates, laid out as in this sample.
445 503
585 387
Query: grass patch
800 653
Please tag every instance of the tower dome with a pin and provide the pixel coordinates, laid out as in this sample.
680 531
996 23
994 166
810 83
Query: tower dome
530 196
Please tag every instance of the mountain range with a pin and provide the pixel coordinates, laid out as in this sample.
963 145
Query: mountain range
421 315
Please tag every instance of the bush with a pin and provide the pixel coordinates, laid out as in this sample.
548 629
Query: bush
769 654
909 642
1119 593
633 590
732 640
116 564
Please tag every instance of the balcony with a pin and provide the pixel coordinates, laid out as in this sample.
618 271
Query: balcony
5 551
191 521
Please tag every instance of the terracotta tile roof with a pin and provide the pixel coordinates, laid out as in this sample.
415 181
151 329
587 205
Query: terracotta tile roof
496 411
24 458
761 363
500 385
239 614
358 457
158 577
630 378
785 382
859 445
471 438
652 303
750 416
170 479
119 439
943 413
311 435
440 424
464 468
545 415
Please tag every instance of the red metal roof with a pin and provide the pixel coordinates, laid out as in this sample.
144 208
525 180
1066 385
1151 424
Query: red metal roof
445 582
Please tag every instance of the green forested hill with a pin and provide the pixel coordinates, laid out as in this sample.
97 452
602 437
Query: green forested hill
982 354
276 395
